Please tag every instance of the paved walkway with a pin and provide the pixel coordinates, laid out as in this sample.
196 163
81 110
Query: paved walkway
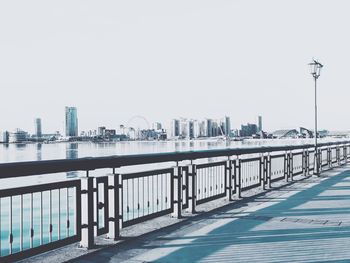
308 221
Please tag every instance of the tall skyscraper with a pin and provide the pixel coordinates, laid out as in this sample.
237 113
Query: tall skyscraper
228 126
71 122
260 128
175 128
37 124
209 127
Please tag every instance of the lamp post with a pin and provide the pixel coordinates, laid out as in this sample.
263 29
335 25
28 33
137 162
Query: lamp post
315 70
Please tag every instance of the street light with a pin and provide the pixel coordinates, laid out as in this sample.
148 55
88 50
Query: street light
315 70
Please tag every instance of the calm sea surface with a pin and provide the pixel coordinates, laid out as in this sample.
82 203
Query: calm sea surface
33 152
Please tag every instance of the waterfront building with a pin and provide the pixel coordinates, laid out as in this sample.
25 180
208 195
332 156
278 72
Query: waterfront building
184 128
37 125
4 137
71 122
18 136
196 129
222 128
260 126
110 133
215 129
203 130
191 129
228 126
209 127
175 128
101 131
157 126
248 130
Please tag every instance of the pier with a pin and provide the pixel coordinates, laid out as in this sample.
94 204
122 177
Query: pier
271 205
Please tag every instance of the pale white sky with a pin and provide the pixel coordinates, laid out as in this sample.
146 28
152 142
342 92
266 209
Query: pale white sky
164 59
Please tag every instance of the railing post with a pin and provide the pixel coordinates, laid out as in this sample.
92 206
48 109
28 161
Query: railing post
269 169
307 163
228 178
177 191
192 188
329 159
237 165
114 186
291 171
87 212
303 164
286 166
345 154
262 171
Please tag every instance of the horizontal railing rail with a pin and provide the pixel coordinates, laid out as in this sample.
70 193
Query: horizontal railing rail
34 219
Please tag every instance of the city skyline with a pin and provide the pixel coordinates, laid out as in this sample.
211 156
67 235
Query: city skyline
117 61
72 129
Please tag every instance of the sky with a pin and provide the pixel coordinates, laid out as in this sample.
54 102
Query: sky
166 59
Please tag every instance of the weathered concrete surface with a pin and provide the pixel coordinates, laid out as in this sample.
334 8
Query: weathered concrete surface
308 221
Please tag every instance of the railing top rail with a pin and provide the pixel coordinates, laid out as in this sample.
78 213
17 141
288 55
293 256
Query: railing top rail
17 169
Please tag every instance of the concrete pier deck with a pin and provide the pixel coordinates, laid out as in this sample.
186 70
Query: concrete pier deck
306 221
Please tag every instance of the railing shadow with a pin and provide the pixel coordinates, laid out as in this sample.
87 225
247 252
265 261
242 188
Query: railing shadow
249 234
246 238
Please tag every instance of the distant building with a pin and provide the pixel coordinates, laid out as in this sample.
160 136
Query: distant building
101 131
215 129
222 129
4 137
260 125
175 128
110 133
191 134
71 122
203 130
184 128
196 129
38 131
248 130
209 127
228 126
157 126
18 136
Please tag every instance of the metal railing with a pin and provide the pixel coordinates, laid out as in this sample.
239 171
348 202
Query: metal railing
38 218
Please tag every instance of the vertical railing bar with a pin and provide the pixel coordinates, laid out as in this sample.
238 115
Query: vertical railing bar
67 213
166 191
59 215
161 192
148 194
138 197
143 196
31 221
20 226
157 186
50 216
10 225
96 210
151 203
41 217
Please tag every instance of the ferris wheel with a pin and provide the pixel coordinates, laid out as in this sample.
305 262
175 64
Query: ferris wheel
135 125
